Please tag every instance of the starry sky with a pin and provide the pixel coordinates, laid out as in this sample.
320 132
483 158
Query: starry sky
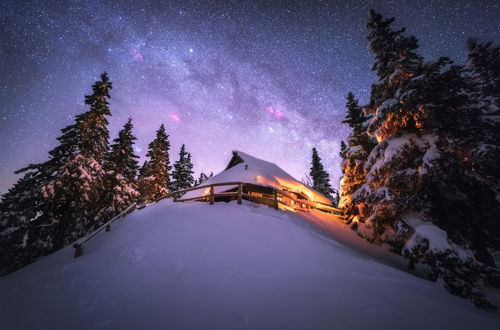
265 77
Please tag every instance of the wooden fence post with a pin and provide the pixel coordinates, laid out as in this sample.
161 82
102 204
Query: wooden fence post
240 192
276 206
108 227
78 250
211 195
175 198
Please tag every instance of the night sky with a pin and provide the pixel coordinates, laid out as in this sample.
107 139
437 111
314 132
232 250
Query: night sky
267 78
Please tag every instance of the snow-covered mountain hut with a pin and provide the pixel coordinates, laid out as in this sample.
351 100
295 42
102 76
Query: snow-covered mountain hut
261 182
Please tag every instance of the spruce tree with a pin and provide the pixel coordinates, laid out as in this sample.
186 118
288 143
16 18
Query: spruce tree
427 126
122 167
182 176
24 226
395 63
76 184
58 201
354 156
483 67
354 117
154 181
343 150
202 178
320 178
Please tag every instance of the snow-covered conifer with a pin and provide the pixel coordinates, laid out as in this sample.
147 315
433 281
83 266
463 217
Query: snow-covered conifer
320 177
76 184
154 180
426 119
58 201
182 176
121 170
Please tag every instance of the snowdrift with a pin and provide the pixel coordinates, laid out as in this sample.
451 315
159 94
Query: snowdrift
225 266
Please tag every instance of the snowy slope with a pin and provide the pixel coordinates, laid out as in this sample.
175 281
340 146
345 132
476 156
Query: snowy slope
196 266
258 171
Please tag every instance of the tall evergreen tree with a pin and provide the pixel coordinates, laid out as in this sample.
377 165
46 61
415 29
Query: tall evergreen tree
343 150
395 63
76 184
483 66
424 121
354 156
121 170
354 117
182 176
154 182
24 227
320 177
58 201
122 158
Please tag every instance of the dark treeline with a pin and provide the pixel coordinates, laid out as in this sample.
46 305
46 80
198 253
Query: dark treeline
84 183
421 165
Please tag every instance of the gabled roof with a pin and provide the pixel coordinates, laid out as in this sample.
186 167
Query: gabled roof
245 168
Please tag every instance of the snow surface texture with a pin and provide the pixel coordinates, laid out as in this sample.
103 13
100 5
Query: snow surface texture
258 171
226 266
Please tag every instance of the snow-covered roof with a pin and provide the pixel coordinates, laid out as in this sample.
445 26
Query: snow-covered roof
249 169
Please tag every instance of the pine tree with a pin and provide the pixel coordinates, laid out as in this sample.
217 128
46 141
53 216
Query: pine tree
24 226
394 52
76 184
483 66
121 170
202 178
354 117
58 201
122 158
154 182
182 176
354 156
320 178
343 150
427 119
395 63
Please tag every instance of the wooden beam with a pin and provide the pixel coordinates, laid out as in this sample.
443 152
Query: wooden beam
212 195
78 250
276 204
240 193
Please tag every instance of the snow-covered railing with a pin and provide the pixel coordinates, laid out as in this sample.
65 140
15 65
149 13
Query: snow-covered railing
78 245
268 195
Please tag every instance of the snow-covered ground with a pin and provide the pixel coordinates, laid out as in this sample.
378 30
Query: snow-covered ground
226 266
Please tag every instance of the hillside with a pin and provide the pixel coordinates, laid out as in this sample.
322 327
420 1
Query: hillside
196 266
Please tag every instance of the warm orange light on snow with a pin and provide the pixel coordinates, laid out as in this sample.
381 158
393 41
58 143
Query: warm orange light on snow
295 187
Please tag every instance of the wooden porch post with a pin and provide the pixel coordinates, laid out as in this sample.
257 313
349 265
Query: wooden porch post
78 250
211 195
276 206
240 192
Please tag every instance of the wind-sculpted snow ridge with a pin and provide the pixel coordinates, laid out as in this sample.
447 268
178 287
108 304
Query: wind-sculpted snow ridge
227 266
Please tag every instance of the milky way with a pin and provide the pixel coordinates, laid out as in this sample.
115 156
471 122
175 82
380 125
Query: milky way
267 78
